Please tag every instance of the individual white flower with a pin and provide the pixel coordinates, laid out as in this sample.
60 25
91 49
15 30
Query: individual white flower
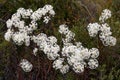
105 15
64 69
15 17
33 25
85 53
51 51
40 40
20 10
105 31
74 56
26 65
8 35
52 12
58 64
77 55
63 29
78 67
93 29
69 50
74 59
48 7
65 51
52 39
27 13
52 56
20 25
71 60
93 63
9 23
35 50
109 41
27 40
36 16
78 44
46 19
94 52
47 49
18 38
70 36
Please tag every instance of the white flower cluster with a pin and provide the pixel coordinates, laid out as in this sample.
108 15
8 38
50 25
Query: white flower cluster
93 29
26 65
21 33
103 30
63 29
105 15
106 37
72 55
42 12
47 44
58 64
18 31
75 56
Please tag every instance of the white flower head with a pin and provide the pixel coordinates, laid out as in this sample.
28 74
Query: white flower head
93 29
63 29
109 41
52 39
52 12
8 35
58 64
93 63
78 44
105 15
64 69
105 30
26 65
94 52
85 53
18 38
78 67
46 19
9 23
48 7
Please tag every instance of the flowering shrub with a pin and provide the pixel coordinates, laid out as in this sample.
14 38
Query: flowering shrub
75 55
72 55
21 33
102 29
